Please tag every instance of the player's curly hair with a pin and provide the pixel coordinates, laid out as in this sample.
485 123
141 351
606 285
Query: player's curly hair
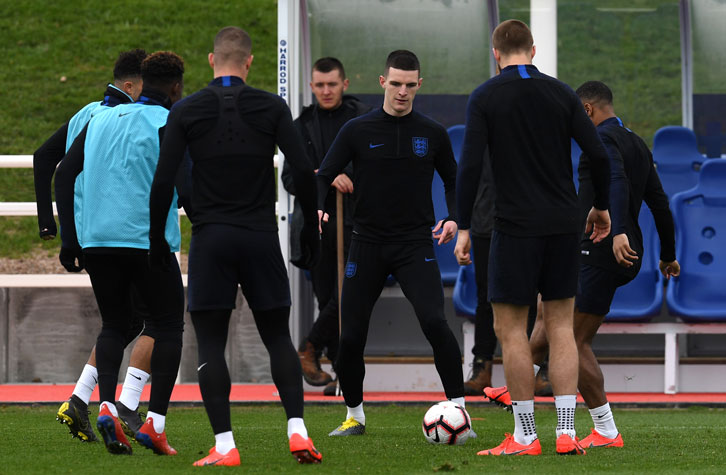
128 64
162 68
595 92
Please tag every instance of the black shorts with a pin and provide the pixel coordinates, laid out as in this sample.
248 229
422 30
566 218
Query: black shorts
222 256
596 288
522 267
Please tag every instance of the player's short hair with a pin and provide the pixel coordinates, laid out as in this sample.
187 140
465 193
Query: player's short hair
162 69
128 64
512 36
232 44
595 92
402 59
327 64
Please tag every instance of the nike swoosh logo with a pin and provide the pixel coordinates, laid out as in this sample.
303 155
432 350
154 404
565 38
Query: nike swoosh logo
429 260
95 380
517 452
201 366
137 377
127 113
370 145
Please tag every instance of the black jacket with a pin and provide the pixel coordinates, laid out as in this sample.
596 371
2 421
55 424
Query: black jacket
309 126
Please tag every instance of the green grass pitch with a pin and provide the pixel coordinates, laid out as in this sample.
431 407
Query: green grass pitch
656 441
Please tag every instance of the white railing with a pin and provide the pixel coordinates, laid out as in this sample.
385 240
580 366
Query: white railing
28 208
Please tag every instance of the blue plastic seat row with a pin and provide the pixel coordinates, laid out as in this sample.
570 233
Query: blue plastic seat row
699 294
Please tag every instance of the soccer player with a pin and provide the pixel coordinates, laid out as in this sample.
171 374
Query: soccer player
126 88
319 124
394 151
616 260
231 130
117 152
526 120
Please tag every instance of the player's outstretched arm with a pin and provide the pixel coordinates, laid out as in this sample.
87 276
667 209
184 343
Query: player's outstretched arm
45 161
171 154
71 255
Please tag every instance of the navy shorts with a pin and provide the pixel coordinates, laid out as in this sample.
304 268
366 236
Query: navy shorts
596 288
222 256
522 267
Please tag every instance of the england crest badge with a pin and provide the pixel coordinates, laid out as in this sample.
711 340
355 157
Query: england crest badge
420 146
350 269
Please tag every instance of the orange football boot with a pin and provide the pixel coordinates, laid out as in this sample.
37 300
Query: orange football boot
230 459
304 450
510 447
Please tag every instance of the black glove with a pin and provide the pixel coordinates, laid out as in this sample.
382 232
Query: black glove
159 255
46 234
68 257
310 245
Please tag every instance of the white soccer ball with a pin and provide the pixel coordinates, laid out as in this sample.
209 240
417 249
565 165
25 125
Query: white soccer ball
447 423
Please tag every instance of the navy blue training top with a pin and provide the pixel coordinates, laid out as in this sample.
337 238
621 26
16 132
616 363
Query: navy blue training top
230 130
527 118
630 153
394 159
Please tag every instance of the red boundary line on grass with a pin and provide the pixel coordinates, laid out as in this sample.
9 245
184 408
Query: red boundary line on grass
48 393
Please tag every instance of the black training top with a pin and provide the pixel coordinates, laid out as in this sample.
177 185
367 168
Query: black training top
527 118
231 130
46 159
642 184
393 163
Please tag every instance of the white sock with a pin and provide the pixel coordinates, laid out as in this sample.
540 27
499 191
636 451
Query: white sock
224 442
111 407
159 421
536 369
565 406
296 425
458 400
604 421
133 385
357 413
525 431
86 383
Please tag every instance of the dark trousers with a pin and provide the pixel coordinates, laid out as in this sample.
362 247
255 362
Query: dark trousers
113 276
414 267
324 333
211 328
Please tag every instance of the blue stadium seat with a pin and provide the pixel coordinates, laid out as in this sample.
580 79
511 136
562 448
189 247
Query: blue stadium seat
699 294
464 296
575 152
642 297
445 253
676 156
456 135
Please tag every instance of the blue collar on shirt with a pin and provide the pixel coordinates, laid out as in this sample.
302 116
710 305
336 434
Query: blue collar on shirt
524 70
613 121
227 81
